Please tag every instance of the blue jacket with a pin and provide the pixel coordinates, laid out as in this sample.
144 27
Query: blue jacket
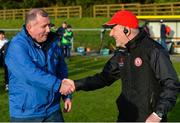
35 74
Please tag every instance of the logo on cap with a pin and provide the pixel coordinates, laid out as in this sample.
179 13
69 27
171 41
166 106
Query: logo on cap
138 61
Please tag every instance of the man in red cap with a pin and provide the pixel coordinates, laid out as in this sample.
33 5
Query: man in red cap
149 82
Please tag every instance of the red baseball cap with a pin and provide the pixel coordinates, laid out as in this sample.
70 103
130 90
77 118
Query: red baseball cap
124 18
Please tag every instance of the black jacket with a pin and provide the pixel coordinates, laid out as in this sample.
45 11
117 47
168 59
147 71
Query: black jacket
149 81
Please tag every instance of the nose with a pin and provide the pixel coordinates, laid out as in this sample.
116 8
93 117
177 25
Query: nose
48 29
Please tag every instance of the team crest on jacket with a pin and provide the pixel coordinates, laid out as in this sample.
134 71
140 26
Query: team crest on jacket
138 61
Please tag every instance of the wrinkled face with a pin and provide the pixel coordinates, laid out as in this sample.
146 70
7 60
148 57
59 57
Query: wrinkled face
39 28
119 36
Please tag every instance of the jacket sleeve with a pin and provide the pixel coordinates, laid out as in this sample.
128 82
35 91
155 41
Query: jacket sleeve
21 65
168 80
110 73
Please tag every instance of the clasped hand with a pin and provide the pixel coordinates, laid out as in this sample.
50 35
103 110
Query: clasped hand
67 87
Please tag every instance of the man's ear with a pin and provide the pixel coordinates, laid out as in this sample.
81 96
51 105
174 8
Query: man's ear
28 27
125 30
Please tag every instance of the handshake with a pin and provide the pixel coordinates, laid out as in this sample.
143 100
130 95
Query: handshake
67 87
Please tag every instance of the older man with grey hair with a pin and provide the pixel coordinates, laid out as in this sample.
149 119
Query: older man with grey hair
36 67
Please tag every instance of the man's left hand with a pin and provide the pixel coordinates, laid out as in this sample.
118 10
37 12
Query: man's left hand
67 105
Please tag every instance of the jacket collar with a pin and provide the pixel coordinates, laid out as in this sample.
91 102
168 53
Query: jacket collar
132 44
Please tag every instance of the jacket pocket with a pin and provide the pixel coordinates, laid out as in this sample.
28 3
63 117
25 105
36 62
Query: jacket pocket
35 100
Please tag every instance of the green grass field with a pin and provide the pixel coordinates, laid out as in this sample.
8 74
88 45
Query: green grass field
94 106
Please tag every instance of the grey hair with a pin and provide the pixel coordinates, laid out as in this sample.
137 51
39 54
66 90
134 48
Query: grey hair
32 14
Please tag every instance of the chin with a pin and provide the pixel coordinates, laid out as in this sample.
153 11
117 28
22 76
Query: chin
44 39
40 41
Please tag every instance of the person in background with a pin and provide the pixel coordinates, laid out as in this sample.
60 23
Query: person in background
35 68
163 34
67 40
3 40
61 30
3 46
150 84
146 28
